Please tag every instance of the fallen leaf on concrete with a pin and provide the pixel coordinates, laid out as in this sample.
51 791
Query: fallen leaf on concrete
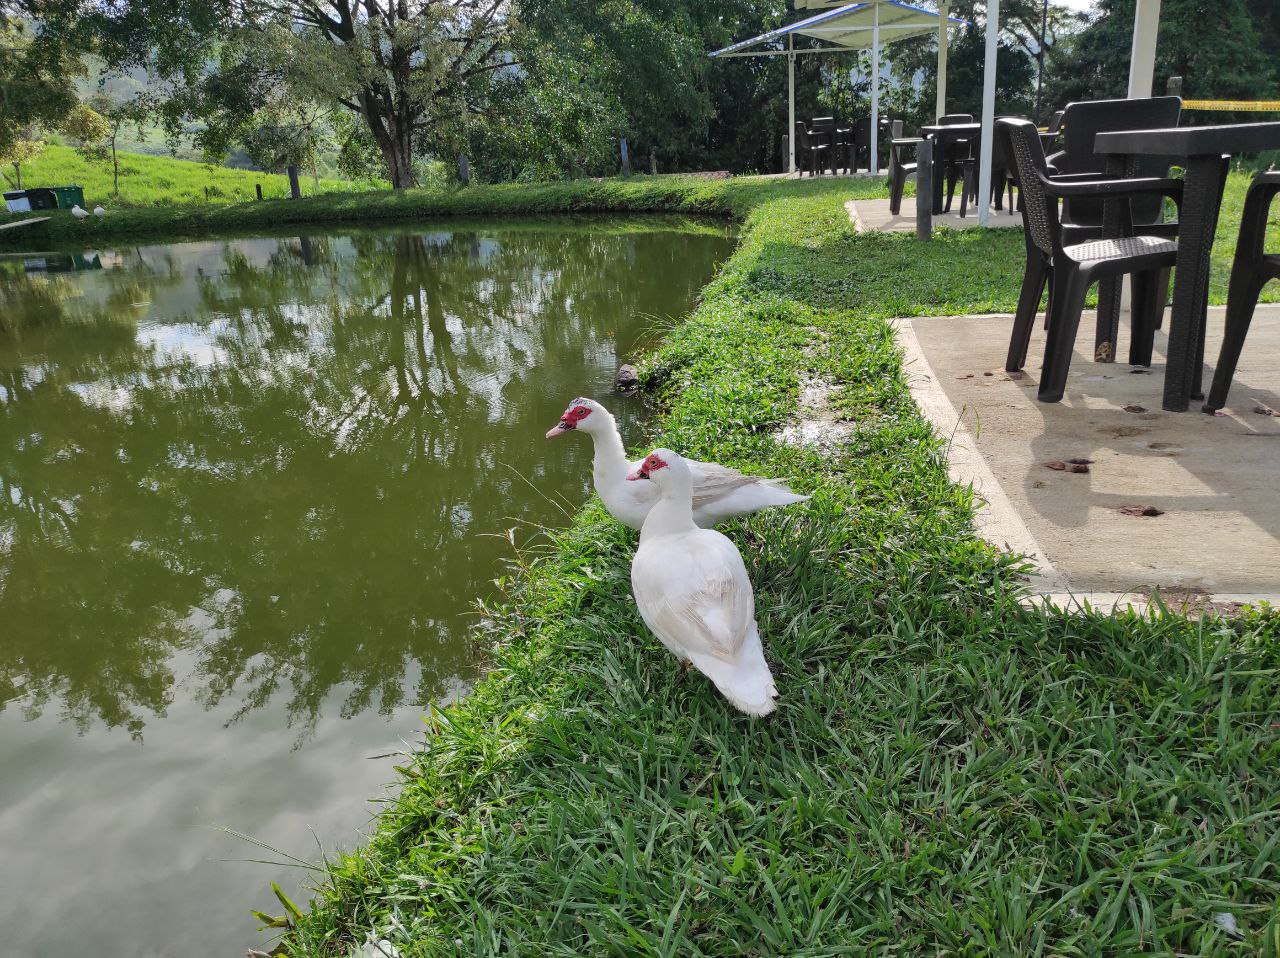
1135 408
965 376
1080 462
988 374
1077 467
1263 410
1149 511
1056 464
1017 374
1139 372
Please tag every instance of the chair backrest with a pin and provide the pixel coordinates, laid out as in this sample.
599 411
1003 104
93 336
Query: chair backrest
1039 209
1085 120
802 135
951 119
895 150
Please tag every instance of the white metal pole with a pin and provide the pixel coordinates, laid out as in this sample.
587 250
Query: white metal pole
944 11
791 98
988 112
1142 58
875 92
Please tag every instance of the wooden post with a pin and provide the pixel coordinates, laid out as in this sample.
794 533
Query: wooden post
1174 86
464 169
295 188
626 158
258 188
924 189
653 162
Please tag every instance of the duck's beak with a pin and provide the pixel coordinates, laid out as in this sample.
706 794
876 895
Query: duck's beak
557 430
638 474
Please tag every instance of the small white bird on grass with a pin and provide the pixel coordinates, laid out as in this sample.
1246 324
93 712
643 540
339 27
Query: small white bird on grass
692 589
99 212
79 213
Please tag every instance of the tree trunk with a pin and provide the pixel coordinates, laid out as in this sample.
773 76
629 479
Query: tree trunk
17 173
393 132
115 170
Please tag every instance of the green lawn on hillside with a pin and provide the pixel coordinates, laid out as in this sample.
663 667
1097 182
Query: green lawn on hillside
157 180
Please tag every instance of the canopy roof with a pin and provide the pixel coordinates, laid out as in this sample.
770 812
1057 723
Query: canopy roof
851 27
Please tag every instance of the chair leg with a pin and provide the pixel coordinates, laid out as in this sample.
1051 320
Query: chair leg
1242 298
997 188
1162 296
896 183
1068 304
964 193
1033 282
1048 306
1145 302
951 188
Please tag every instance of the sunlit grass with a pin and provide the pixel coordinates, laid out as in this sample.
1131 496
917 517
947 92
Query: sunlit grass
160 181
947 773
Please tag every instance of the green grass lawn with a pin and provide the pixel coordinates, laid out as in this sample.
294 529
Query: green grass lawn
947 772
157 180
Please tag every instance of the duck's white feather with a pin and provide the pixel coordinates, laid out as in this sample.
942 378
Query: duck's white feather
693 592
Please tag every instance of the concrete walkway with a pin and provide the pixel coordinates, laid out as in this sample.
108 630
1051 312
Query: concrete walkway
1213 480
874 215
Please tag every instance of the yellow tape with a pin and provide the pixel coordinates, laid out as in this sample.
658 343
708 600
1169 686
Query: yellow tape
1234 106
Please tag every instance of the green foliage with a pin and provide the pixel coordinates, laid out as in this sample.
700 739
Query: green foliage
89 127
37 82
1220 51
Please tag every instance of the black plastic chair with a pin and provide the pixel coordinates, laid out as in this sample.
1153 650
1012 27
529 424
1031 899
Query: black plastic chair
1076 267
899 169
1085 120
956 153
813 149
862 139
1002 176
1253 268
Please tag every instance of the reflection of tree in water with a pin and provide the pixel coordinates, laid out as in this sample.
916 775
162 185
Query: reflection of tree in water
296 495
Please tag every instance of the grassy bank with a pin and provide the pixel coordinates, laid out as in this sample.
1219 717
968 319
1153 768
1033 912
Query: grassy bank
159 180
947 772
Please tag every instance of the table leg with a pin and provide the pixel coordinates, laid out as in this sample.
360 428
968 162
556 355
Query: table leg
1198 219
1107 333
939 152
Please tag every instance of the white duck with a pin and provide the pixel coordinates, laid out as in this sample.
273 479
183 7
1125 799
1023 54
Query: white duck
78 212
693 592
99 212
718 492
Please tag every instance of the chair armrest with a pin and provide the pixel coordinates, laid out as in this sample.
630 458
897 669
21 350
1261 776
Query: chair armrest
907 140
1102 188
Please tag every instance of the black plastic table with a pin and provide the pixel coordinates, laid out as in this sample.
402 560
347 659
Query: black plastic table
943 136
1200 151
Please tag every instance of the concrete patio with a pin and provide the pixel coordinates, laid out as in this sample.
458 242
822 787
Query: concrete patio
875 215
1213 479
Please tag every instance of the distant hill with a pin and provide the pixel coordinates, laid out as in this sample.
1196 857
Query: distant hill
157 180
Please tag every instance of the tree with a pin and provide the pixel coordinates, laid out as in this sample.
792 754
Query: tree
411 70
37 83
116 115
20 149
1219 52
87 126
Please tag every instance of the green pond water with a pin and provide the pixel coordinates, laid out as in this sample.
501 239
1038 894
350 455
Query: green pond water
250 491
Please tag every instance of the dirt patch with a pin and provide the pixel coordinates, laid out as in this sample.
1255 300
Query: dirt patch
817 425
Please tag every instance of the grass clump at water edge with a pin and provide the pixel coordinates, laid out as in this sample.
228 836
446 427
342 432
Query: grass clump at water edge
948 772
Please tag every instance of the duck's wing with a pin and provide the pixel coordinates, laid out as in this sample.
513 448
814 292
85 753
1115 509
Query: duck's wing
712 481
694 593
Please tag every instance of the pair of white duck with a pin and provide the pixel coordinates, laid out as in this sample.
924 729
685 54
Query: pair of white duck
689 581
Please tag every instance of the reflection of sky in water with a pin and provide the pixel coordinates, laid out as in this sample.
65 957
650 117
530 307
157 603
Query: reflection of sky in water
256 486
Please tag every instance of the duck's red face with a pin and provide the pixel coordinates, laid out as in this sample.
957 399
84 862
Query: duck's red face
572 416
652 463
